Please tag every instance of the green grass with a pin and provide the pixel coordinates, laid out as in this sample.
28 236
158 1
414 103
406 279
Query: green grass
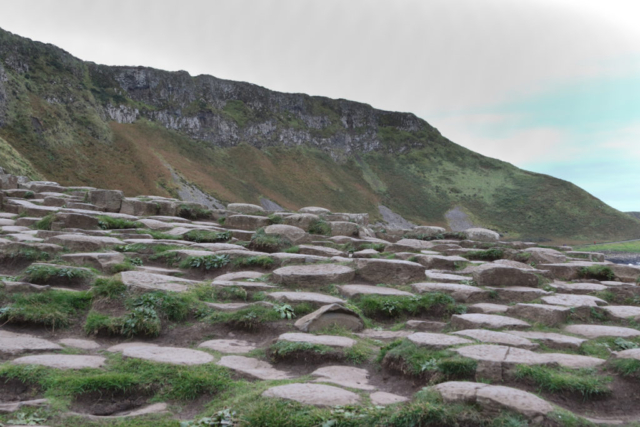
53 309
159 235
283 350
44 223
260 241
110 223
206 262
603 346
597 272
626 367
250 318
183 383
29 254
320 226
261 261
486 255
207 236
633 246
406 357
141 321
377 306
108 287
45 273
193 212
564 380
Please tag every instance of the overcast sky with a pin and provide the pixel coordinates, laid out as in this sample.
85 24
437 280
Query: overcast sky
552 86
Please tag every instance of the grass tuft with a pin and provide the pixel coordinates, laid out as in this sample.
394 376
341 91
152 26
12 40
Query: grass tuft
565 380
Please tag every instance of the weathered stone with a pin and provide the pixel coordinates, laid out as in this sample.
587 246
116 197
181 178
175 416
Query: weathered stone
574 361
252 367
240 275
389 271
446 278
481 235
11 343
319 251
62 361
310 275
501 275
171 355
352 291
381 398
155 282
294 234
440 262
501 338
314 210
425 325
568 270
303 221
499 398
344 228
308 297
236 306
122 346
328 340
436 341
80 344
228 346
545 255
549 315
578 288
597 331
460 293
366 253
17 287
10 407
246 222
106 200
552 340
479 321
102 261
459 391
518 293
623 312
383 335
313 394
346 376
633 353
245 208
570 300
83 243
329 315
591 256
487 308
136 207
408 245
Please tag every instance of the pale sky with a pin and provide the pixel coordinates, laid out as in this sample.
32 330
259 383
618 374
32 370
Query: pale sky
552 86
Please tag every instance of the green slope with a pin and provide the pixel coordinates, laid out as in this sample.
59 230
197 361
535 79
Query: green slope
240 142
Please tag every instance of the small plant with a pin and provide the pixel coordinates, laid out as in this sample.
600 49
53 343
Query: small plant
207 236
320 226
24 419
275 219
623 344
597 272
207 262
44 223
29 254
487 255
285 311
261 261
110 223
53 309
223 418
260 241
557 380
43 273
110 288
29 195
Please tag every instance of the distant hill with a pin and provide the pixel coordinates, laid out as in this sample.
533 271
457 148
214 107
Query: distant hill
149 131
634 214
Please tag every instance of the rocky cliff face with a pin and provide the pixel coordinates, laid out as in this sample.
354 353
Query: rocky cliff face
136 129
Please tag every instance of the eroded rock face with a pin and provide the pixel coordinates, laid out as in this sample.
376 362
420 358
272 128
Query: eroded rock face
329 315
107 200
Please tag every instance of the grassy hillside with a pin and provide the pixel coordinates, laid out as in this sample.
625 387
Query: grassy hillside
57 122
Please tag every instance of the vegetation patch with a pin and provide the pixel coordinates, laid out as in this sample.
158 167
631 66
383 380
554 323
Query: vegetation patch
46 273
261 261
597 272
564 380
110 223
44 223
128 264
251 318
53 309
262 242
302 351
108 288
275 219
603 346
207 236
193 212
320 226
206 262
433 303
486 255
28 254
435 365
626 367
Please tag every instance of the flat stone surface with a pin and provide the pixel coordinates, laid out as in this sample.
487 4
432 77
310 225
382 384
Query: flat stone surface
10 407
346 376
578 288
436 341
328 340
549 315
571 300
80 242
229 346
358 290
518 293
460 293
597 331
62 361
623 312
240 275
497 398
17 344
383 335
125 345
299 297
425 325
487 308
381 398
491 321
172 355
81 344
459 391
502 275
551 339
633 353
155 282
446 278
314 394
252 368
318 274
235 306
389 271
248 286
494 337
574 361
